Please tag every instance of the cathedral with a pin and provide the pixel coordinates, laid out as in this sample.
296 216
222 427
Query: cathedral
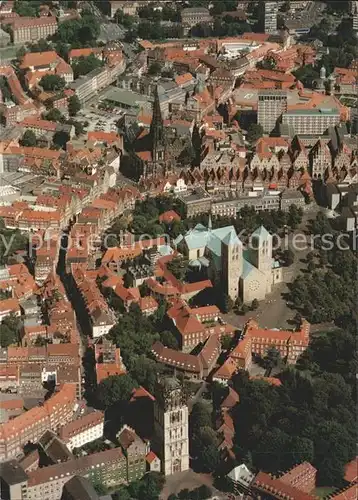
249 274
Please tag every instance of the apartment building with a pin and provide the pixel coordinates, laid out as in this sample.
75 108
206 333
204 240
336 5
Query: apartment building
83 430
271 105
29 426
32 29
268 16
98 79
106 467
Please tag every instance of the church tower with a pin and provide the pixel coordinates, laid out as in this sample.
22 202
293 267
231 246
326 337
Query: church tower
232 263
157 133
260 250
171 426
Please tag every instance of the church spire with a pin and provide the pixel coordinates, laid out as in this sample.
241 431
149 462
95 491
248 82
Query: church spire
157 126
210 223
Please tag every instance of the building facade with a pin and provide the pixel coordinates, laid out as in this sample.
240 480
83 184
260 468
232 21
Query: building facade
269 11
311 121
271 105
171 421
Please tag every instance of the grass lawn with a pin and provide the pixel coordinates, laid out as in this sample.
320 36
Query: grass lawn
324 491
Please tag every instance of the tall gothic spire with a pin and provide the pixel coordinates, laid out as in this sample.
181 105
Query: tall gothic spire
157 126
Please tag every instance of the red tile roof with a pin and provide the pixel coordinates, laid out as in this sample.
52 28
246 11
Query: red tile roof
140 392
265 483
169 216
38 59
351 471
80 425
151 457
24 22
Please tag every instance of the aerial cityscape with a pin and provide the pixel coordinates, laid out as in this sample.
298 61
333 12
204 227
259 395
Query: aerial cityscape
178 249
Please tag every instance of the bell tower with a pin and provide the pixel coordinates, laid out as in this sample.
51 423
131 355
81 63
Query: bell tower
171 426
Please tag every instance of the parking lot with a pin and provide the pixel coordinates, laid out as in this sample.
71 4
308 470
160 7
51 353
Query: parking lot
100 120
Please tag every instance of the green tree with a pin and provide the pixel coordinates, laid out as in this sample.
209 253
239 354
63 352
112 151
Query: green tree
168 339
272 358
145 371
226 342
40 46
255 132
52 82
60 139
26 9
330 435
55 115
154 68
178 266
288 257
294 216
29 139
84 65
74 105
11 240
125 20
9 330
114 389
200 417
226 303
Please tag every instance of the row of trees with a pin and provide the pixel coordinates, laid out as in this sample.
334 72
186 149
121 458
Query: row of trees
329 291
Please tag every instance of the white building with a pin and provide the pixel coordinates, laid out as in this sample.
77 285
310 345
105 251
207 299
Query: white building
83 430
171 427
269 16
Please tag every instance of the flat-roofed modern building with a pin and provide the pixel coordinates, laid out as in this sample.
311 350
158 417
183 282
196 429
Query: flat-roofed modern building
269 12
311 121
271 105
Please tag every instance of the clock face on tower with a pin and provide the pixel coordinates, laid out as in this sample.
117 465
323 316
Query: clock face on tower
254 285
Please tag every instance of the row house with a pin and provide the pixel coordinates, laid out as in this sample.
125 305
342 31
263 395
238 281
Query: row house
101 318
36 220
245 180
